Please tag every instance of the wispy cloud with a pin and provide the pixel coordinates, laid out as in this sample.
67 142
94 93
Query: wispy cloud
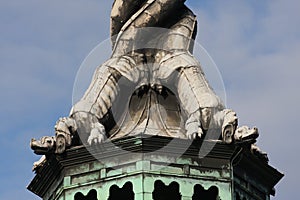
255 44
257 49
42 45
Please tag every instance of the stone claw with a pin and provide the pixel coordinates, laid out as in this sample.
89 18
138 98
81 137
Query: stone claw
97 134
159 88
141 89
193 126
194 135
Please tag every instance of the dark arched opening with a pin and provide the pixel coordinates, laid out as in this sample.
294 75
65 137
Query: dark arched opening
92 195
201 194
163 192
126 192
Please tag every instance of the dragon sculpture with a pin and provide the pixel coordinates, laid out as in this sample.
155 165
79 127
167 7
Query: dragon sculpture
149 60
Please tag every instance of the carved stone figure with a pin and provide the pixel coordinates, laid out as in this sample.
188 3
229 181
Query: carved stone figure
43 146
150 61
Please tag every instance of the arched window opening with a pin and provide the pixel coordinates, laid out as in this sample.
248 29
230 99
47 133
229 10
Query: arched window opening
200 193
92 195
126 192
163 192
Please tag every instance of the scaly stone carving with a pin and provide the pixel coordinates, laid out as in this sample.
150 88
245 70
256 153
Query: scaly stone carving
150 61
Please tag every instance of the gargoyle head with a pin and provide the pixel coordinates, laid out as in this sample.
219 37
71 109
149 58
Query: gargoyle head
43 146
246 134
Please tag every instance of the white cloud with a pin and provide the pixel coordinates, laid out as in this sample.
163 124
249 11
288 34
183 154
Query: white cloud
254 43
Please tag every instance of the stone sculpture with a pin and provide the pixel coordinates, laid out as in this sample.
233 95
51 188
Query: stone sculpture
169 58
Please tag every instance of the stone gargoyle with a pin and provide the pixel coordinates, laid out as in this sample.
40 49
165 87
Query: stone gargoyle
168 61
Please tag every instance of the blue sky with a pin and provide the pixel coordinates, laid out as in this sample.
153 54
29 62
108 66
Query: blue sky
255 44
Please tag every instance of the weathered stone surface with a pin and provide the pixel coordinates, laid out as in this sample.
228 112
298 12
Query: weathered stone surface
152 80
150 127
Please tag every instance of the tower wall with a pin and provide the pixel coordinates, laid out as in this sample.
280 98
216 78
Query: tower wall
141 173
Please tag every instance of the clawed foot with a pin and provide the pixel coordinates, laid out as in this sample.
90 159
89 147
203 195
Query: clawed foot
194 135
141 89
193 126
158 88
97 134
144 87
